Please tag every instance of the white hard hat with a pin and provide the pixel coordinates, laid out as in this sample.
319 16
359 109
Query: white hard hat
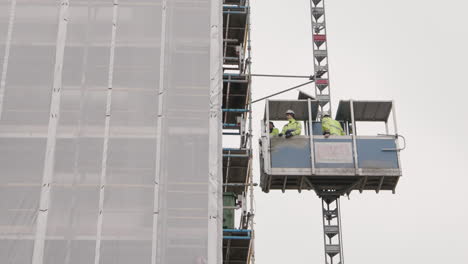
290 112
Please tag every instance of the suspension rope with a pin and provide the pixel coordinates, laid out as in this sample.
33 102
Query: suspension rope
280 92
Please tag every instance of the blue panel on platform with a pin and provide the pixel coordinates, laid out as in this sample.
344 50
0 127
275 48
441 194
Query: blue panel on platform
334 152
290 153
317 128
372 156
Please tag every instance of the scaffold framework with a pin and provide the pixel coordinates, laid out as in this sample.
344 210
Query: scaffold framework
238 241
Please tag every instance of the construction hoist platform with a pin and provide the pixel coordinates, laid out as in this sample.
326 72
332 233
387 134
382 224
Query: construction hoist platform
330 165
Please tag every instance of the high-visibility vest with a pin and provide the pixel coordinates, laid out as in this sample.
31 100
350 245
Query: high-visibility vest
274 132
292 125
332 126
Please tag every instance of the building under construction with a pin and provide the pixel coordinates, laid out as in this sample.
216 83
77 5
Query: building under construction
112 117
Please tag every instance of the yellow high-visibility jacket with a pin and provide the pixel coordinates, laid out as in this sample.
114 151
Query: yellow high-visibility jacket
274 132
292 125
332 127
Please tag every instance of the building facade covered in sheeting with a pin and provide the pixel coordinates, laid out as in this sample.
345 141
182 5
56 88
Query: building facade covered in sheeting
110 131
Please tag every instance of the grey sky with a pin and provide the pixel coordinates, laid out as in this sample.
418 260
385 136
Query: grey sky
414 52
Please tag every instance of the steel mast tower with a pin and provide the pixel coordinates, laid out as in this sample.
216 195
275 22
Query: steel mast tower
330 202
320 53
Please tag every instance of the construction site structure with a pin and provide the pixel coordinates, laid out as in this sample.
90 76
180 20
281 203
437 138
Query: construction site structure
113 116
334 165
238 232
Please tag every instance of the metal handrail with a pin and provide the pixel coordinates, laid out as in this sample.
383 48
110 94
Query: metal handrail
397 136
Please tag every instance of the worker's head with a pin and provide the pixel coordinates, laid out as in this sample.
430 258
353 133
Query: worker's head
290 114
325 115
271 125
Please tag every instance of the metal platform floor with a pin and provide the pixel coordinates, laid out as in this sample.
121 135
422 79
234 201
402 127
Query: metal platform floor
236 246
235 28
339 185
235 97
235 170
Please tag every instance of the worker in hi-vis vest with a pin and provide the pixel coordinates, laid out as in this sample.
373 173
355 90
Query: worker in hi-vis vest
293 127
273 130
331 127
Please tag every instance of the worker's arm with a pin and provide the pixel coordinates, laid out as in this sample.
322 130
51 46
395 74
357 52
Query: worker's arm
298 129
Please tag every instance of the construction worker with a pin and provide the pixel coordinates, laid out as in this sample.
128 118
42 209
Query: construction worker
273 130
292 128
331 127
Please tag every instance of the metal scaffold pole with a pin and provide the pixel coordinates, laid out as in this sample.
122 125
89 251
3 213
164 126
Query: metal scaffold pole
250 174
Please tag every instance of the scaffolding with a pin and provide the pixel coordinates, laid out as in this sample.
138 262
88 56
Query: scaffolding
238 243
